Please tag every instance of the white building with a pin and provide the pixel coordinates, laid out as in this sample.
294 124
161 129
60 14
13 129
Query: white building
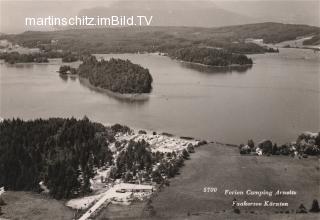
252 40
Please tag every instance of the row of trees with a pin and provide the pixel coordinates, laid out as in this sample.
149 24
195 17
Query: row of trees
305 145
69 57
210 56
42 57
67 70
121 76
60 152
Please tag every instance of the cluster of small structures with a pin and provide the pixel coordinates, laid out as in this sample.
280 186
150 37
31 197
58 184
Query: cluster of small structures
308 143
164 142
13 53
167 152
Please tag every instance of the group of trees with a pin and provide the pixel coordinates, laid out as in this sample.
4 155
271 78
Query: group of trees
67 70
314 208
41 57
60 152
15 57
121 76
305 145
210 56
134 158
69 57
136 161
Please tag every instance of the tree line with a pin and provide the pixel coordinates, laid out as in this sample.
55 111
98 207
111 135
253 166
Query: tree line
40 57
304 146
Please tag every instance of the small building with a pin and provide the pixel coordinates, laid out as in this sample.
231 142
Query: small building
253 40
2 190
5 43
54 42
134 188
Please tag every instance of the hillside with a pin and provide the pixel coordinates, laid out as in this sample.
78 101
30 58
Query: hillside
315 40
163 39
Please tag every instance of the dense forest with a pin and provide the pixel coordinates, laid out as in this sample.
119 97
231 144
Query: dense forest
210 56
60 152
163 39
116 75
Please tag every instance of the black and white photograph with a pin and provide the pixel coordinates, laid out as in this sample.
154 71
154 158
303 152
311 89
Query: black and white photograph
159 109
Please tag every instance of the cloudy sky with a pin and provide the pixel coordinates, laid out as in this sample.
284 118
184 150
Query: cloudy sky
14 12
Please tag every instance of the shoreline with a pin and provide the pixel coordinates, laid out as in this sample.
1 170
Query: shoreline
128 97
205 65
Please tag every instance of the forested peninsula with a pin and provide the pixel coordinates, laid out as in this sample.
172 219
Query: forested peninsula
116 75
210 56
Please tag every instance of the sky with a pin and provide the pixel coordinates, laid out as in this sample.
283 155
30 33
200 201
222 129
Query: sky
14 12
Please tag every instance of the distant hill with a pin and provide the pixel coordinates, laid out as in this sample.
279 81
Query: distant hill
198 13
208 13
173 13
284 11
164 39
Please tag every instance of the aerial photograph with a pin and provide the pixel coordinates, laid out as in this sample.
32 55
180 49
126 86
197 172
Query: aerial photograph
159 109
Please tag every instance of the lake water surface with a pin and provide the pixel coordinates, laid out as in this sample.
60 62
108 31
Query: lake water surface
277 98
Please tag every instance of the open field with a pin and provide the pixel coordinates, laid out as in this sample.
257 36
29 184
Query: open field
32 206
222 167
124 212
